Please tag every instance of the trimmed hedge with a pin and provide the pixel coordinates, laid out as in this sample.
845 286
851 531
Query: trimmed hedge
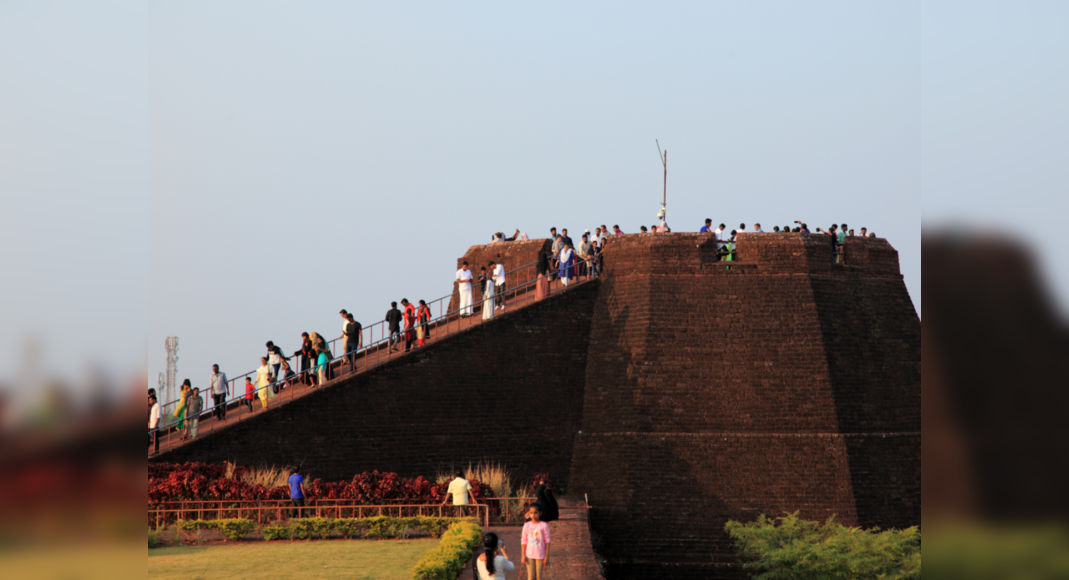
445 561
380 527
232 529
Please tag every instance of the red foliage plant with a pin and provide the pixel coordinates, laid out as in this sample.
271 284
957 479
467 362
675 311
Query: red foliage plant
172 482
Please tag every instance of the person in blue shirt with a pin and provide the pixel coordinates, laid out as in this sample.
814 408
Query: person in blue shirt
708 225
296 492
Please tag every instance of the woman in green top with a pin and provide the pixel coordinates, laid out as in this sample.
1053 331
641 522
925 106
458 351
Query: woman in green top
180 407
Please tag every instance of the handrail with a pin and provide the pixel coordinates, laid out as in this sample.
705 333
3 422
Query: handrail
375 346
233 382
482 510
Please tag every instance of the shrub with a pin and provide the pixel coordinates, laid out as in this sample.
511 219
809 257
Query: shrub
797 549
153 541
235 529
381 527
276 533
449 556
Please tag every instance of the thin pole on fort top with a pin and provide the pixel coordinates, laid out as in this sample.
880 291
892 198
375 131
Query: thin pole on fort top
664 161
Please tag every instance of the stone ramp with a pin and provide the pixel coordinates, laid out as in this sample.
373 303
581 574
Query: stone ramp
571 555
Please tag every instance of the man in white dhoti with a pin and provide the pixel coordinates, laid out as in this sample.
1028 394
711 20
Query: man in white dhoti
464 286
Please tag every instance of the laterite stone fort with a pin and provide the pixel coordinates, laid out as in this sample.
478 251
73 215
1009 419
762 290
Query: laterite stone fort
676 391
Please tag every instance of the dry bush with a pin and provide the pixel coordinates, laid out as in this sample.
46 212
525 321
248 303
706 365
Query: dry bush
268 476
491 474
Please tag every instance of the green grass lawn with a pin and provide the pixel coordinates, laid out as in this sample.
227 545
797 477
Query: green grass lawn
349 559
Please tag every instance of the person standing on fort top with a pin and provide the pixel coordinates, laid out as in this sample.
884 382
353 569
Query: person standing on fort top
498 275
410 324
642 230
834 241
707 228
423 317
393 322
719 236
219 389
567 265
482 280
274 356
344 331
565 239
741 230
464 288
557 246
250 393
307 354
663 228
264 377
488 301
180 407
542 270
355 335
864 232
196 407
586 253
461 491
757 229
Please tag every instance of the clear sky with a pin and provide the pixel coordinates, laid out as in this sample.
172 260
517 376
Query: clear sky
233 172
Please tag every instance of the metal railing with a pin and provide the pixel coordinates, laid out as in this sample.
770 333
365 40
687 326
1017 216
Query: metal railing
273 510
371 355
490 510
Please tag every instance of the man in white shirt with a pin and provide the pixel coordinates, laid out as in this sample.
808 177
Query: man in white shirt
499 284
460 489
464 287
219 389
719 234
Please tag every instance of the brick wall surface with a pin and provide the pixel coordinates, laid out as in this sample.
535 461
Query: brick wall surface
783 382
509 390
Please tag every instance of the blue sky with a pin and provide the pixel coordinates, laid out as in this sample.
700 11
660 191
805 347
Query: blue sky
233 172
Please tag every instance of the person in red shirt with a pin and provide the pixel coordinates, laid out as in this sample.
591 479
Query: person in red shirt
249 390
410 323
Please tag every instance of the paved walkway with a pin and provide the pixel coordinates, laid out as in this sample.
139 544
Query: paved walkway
366 359
571 555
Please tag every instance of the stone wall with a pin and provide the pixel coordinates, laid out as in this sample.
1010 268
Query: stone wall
718 391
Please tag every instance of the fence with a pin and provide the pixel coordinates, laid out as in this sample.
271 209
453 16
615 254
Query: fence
489 510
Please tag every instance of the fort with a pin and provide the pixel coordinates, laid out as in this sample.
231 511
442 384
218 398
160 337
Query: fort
676 391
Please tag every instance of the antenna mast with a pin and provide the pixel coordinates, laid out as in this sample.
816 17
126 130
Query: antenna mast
663 156
171 344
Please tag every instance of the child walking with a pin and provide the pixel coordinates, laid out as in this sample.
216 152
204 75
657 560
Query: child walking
535 544
250 389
